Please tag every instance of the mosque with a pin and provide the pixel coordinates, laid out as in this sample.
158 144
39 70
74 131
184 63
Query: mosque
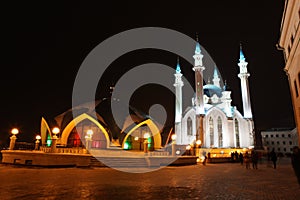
211 119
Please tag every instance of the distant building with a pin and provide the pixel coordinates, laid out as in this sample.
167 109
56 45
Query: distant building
282 140
289 43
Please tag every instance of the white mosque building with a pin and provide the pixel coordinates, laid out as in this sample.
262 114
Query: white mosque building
211 118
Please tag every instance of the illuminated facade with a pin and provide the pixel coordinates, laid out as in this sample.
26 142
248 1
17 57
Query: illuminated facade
211 118
289 43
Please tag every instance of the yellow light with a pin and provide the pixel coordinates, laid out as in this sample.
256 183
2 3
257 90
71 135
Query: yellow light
198 142
174 137
38 137
146 135
188 147
15 131
55 130
136 138
90 132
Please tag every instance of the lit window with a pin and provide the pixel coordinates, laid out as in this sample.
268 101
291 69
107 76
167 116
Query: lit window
237 134
211 131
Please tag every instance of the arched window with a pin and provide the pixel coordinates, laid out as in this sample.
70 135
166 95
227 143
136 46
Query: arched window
189 126
237 134
220 132
211 131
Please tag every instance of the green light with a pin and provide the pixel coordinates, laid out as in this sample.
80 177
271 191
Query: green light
49 141
127 145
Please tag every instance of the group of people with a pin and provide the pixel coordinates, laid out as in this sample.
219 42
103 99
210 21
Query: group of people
249 158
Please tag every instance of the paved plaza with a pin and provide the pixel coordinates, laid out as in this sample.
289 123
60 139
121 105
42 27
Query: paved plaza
213 181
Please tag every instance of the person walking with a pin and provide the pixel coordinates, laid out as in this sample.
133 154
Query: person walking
296 162
241 157
247 160
254 157
273 157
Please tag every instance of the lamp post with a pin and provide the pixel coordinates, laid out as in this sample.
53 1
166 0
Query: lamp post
88 138
54 139
37 142
13 138
198 145
146 136
173 144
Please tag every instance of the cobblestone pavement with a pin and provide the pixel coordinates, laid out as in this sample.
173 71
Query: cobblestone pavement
213 181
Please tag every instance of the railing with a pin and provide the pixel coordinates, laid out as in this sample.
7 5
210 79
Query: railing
74 150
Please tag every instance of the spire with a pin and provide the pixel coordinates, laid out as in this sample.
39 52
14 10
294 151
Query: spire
216 73
178 70
242 57
197 50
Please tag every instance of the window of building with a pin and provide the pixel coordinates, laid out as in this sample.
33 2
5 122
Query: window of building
267 135
272 142
282 135
290 142
278 149
211 131
267 142
271 135
283 142
284 149
220 132
277 142
289 135
237 134
296 88
189 126
276 135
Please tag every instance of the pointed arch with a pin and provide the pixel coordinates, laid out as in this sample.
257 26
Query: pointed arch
220 132
44 131
189 126
237 133
66 132
211 131
154 130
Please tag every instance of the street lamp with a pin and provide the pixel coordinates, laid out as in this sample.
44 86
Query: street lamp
198 144
173 144
55 131
88 138
13 138
146 136
37 142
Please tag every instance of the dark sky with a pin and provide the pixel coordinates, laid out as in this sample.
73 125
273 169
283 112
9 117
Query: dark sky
44 44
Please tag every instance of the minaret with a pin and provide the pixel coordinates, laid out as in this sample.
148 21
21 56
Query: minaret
216 79
178 102
199 101
243 75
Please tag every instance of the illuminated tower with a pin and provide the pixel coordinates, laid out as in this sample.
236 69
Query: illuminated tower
199 101
178 102
216 79
243 75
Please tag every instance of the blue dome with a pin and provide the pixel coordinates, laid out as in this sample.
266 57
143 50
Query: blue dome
210 90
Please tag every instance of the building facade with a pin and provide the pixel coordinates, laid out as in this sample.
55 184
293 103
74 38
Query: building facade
289 43
281 140
211 118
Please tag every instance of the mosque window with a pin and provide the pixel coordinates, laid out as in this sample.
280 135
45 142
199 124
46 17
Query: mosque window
220 132
189 126
237 134
211 131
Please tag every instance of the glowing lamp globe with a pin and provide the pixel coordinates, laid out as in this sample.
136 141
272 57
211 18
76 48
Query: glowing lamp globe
146 135
38 137
90 132
174 137
15 131
55 130
198 142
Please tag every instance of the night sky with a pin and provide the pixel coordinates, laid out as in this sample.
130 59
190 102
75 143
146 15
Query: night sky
44 44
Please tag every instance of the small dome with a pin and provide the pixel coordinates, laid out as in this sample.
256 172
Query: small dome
210 90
